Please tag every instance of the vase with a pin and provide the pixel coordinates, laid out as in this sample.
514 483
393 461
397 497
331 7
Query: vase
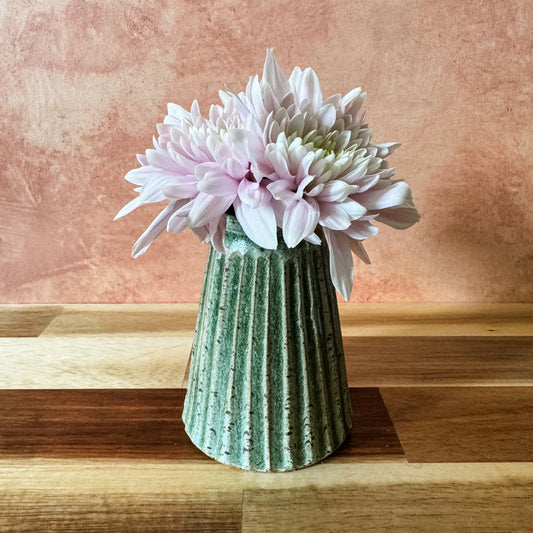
267 386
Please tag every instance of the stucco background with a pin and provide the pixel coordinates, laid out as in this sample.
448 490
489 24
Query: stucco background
84 84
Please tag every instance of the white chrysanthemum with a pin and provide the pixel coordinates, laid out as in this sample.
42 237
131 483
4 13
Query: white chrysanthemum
279 155
324 170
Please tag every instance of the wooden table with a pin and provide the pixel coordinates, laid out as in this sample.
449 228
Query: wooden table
91 437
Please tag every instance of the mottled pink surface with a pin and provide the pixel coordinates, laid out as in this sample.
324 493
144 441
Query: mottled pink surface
84 83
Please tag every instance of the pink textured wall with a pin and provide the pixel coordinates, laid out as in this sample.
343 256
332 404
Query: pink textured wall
84 83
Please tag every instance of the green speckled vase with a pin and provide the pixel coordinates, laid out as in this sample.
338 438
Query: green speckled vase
267 384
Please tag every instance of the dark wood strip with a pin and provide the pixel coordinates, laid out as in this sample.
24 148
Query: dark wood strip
146 423
26 320
463 424
373 435
419 361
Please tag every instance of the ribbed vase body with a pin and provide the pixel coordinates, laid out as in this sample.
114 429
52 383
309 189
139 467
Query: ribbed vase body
267 384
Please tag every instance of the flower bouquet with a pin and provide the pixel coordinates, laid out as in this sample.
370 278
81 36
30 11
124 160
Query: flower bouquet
285 185
278 155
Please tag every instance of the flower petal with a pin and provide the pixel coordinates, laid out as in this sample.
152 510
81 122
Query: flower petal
129 207
353 209
176 223
206 207
138 176
348 97
273 75
359 250
357 173
277 159
381 198
153 230
300 220
216 183
282 189
327 116
399 217
385 149
251 193
333 216
367 182
161 159
310 89
217 234
233 168
313 239
340 262
186 188
336 191
259 223
361 230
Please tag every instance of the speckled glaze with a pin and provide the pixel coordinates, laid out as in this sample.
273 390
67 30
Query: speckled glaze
267 386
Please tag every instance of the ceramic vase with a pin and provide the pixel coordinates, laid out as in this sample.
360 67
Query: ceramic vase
267 384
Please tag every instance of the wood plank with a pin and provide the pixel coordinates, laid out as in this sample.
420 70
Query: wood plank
116 496
357 319
373 437
94 362
430 319
124 319
107 361
26 320
438 361
392 497
135 423
138 423
463 424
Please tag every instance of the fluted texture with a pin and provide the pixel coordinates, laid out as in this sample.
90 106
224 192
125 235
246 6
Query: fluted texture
267 387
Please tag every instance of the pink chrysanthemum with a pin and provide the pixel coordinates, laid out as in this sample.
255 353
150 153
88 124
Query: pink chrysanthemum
281 156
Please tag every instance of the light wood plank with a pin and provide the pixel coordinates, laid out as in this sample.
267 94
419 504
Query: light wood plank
463 424
392 497
107 361
149 320
26 320
116 496
93 362
438 361
411 319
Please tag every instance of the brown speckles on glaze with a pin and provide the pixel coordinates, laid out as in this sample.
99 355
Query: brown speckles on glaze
84 84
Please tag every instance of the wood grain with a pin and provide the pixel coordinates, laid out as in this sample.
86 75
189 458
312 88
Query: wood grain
463 424
428 319
124 319
392 497
438 361
109 361
373 437
26 320
73 495
140 423
91 437
94 361
357 319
